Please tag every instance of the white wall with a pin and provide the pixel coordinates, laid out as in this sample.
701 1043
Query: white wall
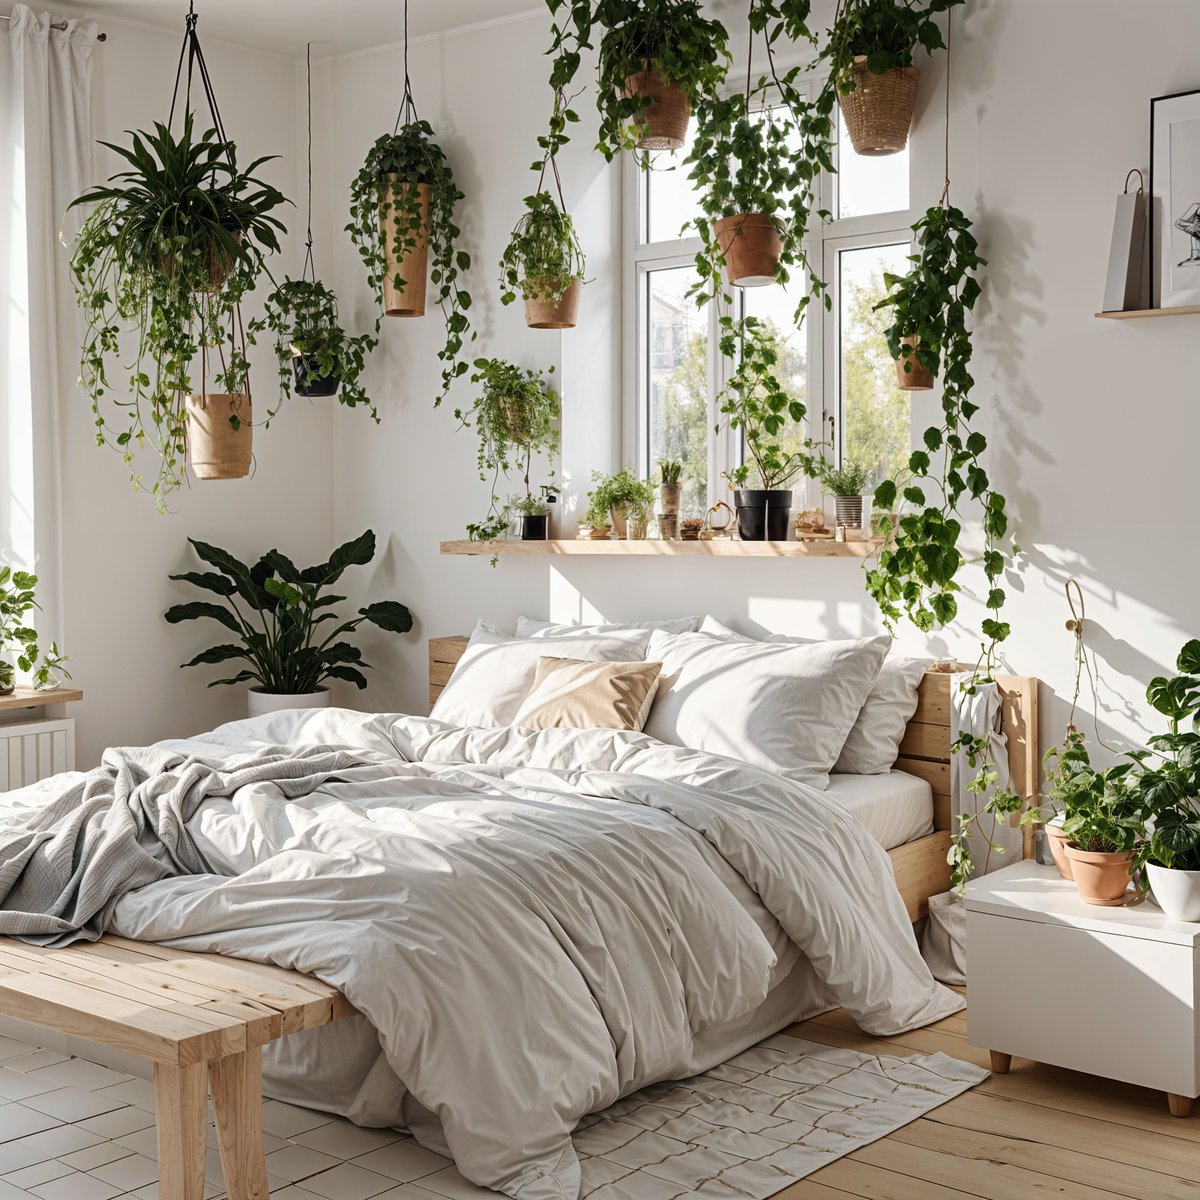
1092 424
117 551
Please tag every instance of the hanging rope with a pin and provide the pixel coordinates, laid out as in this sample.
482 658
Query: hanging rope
408 106
549 158
192 52
945 197
1076 624
309 266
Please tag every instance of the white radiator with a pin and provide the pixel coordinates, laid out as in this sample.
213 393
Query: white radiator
34 750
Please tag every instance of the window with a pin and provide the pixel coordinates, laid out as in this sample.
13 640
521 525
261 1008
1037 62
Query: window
837 363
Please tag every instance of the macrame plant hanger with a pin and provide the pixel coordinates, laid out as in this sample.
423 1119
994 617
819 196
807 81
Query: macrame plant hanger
408 106
310 270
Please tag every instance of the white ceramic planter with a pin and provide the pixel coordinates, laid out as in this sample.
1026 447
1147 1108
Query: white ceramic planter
259 702
1177 892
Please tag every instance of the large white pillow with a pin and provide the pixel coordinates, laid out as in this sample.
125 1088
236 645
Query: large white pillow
496 671
531 627
873 745
786 708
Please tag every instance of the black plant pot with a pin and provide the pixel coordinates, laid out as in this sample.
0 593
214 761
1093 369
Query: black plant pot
763 516
533 528
310 384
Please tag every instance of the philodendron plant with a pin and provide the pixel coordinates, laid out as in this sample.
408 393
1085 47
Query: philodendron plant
19 648
277 613
170 248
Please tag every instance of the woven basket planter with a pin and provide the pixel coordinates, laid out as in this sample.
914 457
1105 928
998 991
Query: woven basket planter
412 266
217 450
751 245
544 312
879 111
910 375
665 118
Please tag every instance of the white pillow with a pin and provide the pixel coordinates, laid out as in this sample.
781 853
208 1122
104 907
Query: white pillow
786 708
873 745
532 627
496 671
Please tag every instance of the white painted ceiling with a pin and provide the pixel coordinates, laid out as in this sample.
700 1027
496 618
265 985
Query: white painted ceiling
284 26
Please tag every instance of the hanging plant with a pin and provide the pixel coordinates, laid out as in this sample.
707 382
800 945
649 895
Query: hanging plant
656 60
402 222
544 262
515 418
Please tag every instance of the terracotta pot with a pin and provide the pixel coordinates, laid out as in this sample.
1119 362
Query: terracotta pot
751 245
1057 842
910 375
217 450
664 120
879 110
670 494
1100 877
544 312
412 267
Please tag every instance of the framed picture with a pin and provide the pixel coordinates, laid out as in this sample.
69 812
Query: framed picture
1175 200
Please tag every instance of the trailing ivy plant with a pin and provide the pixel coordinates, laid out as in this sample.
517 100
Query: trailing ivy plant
18 638
170 248
543 257
884 32
384 196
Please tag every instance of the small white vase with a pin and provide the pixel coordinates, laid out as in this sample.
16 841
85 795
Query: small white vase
1176 892
259 702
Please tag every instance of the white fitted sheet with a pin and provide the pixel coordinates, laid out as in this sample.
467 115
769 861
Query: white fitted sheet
896 807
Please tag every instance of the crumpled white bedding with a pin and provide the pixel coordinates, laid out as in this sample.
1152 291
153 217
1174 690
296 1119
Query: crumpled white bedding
535 924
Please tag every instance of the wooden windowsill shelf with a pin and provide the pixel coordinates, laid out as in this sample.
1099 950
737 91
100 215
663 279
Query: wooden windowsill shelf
27 697
1134 314
716 548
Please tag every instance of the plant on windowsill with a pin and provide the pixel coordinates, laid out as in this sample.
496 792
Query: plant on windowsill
624 499
846 485
533 513
19 649
656 59
544 262
275 611
171 247
670 488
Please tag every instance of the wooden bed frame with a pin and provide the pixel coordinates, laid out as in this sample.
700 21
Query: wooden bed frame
920 867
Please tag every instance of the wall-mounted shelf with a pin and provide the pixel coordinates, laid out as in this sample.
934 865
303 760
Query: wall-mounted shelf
716 548
1134 314
27 697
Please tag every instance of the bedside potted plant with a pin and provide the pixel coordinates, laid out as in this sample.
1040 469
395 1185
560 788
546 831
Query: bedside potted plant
275 610
544 262
625 498
847 484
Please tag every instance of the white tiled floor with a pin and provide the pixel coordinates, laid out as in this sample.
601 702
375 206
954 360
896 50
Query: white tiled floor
73 1130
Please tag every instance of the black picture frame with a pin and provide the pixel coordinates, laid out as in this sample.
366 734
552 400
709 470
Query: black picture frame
1153 205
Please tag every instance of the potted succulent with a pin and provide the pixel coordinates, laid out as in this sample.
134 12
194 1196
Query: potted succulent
275 612
402 221
515 416
544 262
19 649
170 248
870 61
758 406
671 488
847 484
317 357
625 498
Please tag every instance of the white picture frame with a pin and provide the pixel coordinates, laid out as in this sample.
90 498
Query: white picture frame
1175 200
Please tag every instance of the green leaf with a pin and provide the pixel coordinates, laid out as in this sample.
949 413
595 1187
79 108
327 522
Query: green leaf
349 674
216 654
197 609
208 580
389 615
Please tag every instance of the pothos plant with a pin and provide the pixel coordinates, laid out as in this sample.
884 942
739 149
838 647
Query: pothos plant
170 248
884 32
672 37
543 256
387 221
515 417
19 639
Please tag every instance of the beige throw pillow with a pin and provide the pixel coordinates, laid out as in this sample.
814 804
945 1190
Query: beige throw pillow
570 693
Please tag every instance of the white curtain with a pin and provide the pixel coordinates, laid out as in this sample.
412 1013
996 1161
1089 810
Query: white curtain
45 162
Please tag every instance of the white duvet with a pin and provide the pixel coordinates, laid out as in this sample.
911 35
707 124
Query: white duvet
534 924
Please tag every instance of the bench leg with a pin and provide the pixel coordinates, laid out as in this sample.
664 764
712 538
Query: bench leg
1180 1106
237 1102
181 1103
1001 1062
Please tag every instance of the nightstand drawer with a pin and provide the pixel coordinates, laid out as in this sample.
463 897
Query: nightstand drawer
1118 1006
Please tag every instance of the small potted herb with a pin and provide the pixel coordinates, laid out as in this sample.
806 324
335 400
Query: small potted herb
847 484
19 649
1105 832
533 514
544 262
671 488
626 498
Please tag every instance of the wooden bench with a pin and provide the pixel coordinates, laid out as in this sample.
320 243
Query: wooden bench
202 1019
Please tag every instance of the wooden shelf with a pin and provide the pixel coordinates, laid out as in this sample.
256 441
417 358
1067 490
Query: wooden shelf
27 697
716 548
1135 314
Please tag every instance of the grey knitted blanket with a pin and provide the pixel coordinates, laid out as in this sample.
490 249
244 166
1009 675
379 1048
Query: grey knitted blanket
64 866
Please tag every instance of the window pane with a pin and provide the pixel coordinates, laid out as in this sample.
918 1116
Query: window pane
876 416
868 185
676 380
670 198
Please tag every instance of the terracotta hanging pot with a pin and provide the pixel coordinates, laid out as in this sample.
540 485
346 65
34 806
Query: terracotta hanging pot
751 245
910 375
664 118
543 311
879 111
412 266
216 449
1101 878
1056 839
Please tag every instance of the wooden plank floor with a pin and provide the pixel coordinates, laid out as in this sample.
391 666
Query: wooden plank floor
1036 1132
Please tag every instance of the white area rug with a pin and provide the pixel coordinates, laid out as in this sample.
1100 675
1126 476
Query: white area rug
771 1115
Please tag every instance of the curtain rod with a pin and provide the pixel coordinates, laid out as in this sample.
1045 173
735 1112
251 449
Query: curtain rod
100 37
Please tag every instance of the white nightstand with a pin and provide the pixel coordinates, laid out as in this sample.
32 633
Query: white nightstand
1109 991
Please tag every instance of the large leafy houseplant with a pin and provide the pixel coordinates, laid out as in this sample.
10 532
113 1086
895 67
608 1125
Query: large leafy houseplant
402 208
18 638
171 246
277 613
884 33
